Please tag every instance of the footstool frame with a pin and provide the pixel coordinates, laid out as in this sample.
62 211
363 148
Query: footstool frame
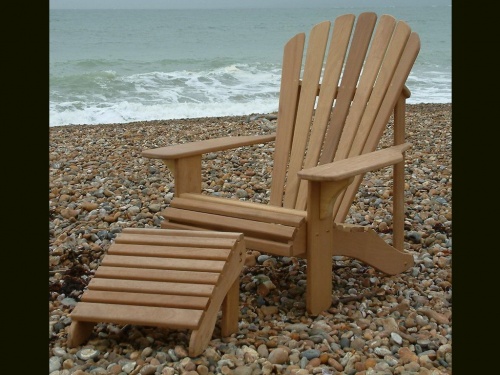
177 279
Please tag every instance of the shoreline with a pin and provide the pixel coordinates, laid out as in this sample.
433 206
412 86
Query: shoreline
100 184
150 122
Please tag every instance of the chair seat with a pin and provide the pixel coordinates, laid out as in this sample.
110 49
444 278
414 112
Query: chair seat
276 230
166 278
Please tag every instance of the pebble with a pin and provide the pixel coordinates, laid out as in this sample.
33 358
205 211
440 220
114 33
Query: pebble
381 351
86 354
278 356
54 364
263 351
344 342
401 324
310 353
397 338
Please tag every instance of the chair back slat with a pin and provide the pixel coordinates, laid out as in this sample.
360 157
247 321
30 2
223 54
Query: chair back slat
341 35
289 94
310 82
342 104
366 102
357 52
397 81
360 119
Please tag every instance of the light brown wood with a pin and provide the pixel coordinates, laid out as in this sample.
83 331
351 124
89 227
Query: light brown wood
346 227
79 332
186 150
356 165
224 290
165 251
332 113
143 289
187 174
402 71
287 112
221 223
359 120
357 50
143 286
146 299
179 234
248 212
133 273
370 248
319 240
399 177
231 303
174 240
310 81
370 130
341 33
164 263
297 247
366 134
138 315
328 193
237 204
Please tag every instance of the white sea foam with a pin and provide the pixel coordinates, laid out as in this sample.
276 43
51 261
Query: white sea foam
237 89
124 112
232 90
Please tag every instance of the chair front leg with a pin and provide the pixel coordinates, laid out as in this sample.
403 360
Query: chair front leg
320 201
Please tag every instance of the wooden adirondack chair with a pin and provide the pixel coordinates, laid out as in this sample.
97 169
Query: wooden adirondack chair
330 121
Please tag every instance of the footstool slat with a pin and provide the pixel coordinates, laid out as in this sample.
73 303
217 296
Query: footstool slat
207 242
163 263
146 299
182 233
169 251
157 275
141 286
139 315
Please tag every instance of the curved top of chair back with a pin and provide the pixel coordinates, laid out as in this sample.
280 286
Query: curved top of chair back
340 102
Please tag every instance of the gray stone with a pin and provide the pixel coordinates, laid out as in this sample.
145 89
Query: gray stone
298 327
310 354
345 342
382 352
54 363
396 338
128 367
87 353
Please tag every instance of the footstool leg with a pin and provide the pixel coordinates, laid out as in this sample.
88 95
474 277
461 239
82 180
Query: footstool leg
231 310
79 332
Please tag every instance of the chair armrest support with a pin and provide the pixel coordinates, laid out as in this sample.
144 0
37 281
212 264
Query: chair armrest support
202 147
184 160
350 167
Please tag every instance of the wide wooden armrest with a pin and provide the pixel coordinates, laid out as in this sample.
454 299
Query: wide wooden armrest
350 167
205 146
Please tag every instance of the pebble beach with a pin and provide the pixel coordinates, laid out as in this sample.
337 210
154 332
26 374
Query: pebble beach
376 325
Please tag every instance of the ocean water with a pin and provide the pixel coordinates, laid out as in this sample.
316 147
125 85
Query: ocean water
118 66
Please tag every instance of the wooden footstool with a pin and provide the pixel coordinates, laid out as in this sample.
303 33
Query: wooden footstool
176 279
